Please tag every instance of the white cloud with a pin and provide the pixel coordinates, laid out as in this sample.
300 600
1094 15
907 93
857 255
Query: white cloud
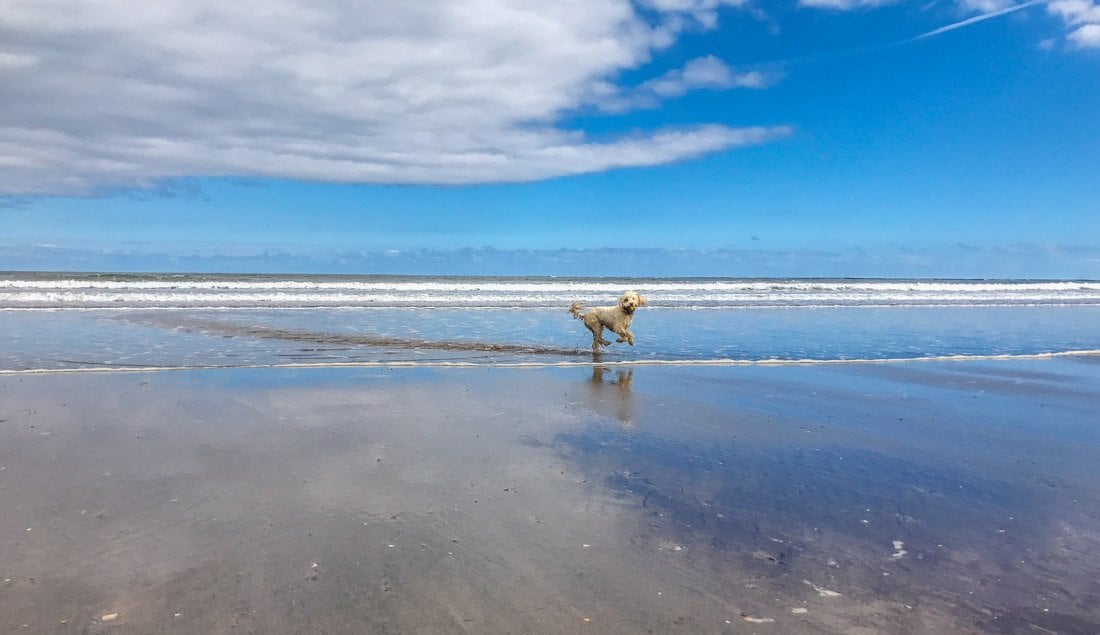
1083 16
706 72
126 93
1082 20
705 12
1087 36
1076 11
15 60
985 6
843 5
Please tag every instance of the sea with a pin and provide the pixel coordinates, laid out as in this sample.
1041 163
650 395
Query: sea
93 321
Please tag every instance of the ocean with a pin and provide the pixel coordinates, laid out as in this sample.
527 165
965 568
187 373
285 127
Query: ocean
74 321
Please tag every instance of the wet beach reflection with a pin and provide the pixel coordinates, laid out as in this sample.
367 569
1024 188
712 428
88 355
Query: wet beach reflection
935 498
610 392
936 504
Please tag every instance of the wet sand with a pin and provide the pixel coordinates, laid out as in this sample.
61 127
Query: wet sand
911 497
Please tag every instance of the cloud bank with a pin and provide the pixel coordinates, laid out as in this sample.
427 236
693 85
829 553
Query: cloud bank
948 261
124 94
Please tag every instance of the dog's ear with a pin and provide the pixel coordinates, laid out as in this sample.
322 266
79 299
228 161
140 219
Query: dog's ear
641 300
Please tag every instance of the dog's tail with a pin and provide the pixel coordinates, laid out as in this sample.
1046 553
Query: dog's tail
576 310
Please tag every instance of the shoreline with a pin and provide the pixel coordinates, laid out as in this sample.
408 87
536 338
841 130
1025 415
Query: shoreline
100 367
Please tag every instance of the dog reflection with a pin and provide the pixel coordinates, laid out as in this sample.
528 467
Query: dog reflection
611 394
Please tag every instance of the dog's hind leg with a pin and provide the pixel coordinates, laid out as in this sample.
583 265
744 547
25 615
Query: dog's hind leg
593 323
597 338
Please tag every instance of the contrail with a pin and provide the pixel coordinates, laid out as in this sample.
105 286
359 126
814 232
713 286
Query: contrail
978 18
837 55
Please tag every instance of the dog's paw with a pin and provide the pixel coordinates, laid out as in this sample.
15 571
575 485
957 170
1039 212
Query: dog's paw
621 339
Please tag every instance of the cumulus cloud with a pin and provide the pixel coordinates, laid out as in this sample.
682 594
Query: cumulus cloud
706 72
1086 36
129 93
1083 17
704 12
985 6
702 73
1076 11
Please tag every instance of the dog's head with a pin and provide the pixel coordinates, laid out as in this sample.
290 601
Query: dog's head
631 300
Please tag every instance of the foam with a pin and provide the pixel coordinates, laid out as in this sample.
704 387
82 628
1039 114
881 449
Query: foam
544 299
615 286
529 307
261 291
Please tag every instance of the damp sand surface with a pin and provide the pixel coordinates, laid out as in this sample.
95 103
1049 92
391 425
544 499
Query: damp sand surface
913 497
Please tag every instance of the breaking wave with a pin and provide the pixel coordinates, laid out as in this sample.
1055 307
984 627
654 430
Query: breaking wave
61 291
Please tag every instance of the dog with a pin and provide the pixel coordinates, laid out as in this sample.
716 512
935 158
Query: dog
615 318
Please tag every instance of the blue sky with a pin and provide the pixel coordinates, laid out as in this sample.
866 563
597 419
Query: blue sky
685 137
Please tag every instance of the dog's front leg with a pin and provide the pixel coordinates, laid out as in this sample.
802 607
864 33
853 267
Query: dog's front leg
625 336
601 340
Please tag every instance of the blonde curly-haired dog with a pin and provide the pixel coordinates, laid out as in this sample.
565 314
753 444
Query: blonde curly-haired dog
615 318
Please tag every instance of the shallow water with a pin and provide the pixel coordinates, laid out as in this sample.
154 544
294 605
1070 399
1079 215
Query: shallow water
69 338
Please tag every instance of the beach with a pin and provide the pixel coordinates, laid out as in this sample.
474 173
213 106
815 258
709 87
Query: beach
900 496
616 316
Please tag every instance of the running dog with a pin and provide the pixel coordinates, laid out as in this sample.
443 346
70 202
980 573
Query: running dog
615 318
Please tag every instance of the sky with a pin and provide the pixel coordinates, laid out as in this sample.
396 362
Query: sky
870 138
